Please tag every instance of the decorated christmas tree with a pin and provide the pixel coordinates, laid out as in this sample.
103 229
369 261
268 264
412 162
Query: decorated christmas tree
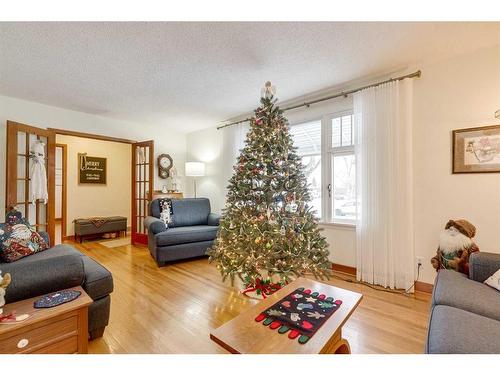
268 230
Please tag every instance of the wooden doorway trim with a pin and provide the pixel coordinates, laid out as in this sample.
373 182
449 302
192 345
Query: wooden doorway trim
91 136
142 189
105 138
19 153
64 194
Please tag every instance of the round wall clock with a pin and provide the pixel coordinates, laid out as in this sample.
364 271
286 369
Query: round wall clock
165 163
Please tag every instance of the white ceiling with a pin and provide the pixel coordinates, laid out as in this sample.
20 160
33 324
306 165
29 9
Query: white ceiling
188 76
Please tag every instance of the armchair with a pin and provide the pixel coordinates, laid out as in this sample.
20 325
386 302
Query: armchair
190 234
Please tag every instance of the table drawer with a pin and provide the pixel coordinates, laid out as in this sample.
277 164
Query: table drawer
37 338
66 346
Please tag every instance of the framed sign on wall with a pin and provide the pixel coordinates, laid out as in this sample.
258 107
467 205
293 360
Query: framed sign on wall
476 150
91 170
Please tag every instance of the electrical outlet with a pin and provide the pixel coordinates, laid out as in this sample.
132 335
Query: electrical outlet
419 261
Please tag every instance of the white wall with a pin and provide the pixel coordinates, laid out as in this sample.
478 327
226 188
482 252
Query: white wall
460 92
206 146
457 93
43 116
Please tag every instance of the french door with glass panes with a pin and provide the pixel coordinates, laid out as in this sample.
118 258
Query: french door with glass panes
20 140
142 188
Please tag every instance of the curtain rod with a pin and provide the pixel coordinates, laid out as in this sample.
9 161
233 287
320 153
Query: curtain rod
416 74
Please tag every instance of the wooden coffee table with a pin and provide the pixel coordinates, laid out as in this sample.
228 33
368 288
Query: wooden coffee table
57 330
244 335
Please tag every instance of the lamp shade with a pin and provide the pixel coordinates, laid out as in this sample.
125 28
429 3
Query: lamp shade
195 168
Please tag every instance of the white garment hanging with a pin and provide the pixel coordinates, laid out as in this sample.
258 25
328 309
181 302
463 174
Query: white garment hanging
141 157
38 174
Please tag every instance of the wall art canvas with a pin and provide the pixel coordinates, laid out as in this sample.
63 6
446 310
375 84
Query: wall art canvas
476 150
91 170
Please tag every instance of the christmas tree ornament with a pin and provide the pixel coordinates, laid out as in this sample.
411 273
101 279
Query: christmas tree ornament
268 91
272 220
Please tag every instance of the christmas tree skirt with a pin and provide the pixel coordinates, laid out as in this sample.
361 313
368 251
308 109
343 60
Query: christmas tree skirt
300 313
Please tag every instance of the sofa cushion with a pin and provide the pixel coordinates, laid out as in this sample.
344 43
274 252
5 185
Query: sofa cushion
494 280
180 235
19 240
186 212
454 289
452 330
482 265
98 280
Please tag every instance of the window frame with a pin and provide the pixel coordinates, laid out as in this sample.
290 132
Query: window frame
339 151
319 119
328 152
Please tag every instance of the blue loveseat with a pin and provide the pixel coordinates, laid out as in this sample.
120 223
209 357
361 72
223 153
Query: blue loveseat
191 233
465 313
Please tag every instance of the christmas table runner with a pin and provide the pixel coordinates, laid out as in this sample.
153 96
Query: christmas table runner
300 313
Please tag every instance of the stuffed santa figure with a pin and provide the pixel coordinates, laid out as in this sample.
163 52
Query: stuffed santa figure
455 246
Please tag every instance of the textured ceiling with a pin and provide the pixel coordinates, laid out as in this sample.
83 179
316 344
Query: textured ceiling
188 76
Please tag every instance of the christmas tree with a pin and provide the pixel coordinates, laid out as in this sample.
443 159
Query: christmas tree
268 229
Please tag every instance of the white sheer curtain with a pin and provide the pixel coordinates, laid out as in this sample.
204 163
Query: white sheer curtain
233 140
384 231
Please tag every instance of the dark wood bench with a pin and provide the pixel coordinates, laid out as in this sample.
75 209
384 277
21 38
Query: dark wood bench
93 227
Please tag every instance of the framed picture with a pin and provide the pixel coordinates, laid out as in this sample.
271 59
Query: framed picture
91 170
476 150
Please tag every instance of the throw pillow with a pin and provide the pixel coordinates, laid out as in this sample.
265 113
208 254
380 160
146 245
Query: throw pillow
167 213
13 217
18 239
494 280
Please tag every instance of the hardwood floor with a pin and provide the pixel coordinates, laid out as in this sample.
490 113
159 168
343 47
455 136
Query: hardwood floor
173 308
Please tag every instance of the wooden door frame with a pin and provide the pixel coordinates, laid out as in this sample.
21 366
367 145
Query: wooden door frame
64 197
135 237
96 137
11 170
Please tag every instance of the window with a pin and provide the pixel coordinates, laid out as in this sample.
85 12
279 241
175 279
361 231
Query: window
326 147
342 188
307 138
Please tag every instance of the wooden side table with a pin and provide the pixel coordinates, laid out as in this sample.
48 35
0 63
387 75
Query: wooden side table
160 194
58 330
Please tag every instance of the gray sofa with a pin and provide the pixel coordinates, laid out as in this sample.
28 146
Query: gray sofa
62 267
191 233
465 313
